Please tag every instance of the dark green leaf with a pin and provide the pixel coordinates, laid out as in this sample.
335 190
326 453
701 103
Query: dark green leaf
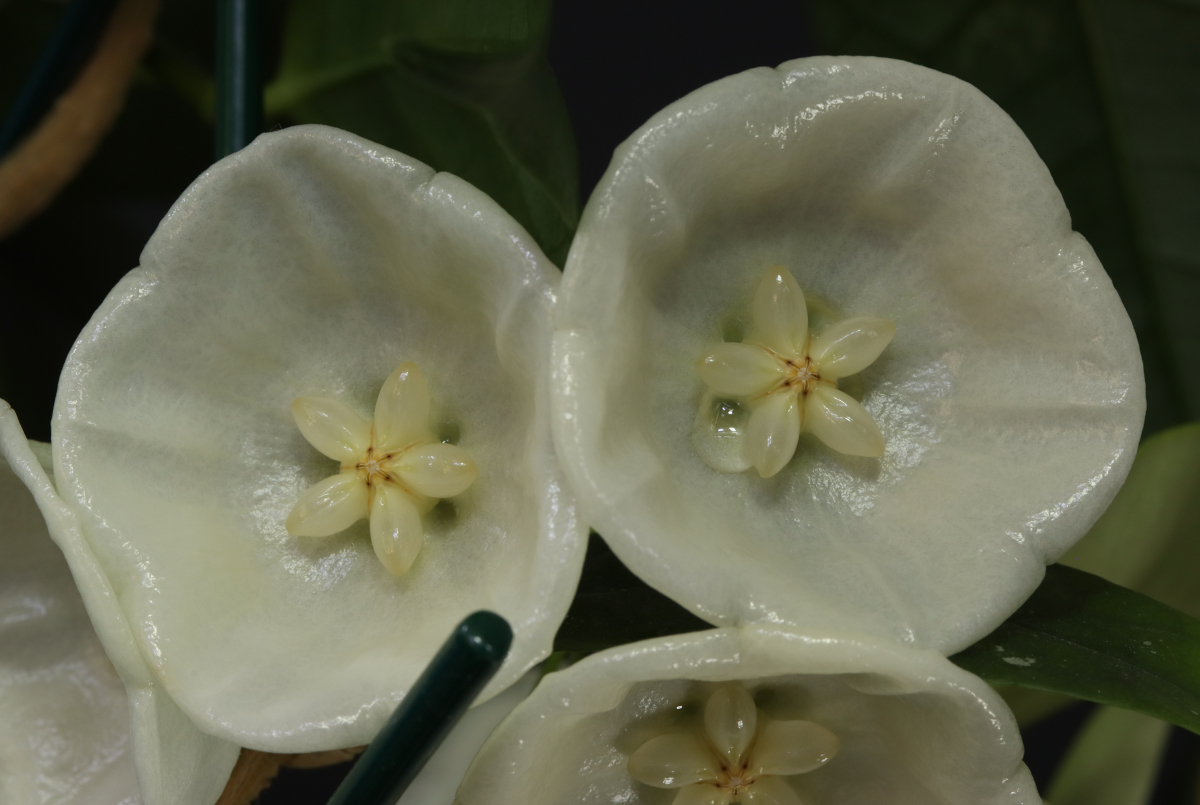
1081 635
613 607
1114 145
463 85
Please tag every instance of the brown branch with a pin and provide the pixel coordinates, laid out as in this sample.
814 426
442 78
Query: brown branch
46 160
255 771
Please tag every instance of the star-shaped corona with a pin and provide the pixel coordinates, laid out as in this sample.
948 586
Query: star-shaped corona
788 377
393 469
739 756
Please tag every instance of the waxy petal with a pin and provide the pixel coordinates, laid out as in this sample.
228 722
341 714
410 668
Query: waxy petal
771 791
396 530
792 747
702 794
313 262
332 427
731 719
740 370
847 347
773 431
65 715
437 470
780 317
402 410
329 507
914 727
175 762
673 761
841 422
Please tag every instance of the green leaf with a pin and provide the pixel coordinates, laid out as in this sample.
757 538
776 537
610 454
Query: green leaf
1086 637
463 85
1113 761
1149 538
1109 99
613 607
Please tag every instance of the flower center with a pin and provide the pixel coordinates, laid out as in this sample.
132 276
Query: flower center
371 468
802 373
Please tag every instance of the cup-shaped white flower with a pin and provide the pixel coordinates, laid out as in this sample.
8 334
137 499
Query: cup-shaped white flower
312 265
64 718
756 715
1009 401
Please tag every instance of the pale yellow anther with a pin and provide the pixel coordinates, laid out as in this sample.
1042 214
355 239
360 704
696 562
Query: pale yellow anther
788 376
740 756
393 469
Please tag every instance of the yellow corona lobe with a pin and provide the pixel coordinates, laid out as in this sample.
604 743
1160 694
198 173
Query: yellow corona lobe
393 469
787 377
740 754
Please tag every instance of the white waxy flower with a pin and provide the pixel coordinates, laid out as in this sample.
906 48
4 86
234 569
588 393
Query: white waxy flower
1009 402
737 756
309 264
789 377
393 469
757 715
64 718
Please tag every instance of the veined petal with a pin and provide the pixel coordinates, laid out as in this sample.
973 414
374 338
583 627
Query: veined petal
772 432
730 718
329 506
673 761
332 427
396 531
792 747
841 422
780 317
739 370
770 791
402 409
847 347
701 794
437 470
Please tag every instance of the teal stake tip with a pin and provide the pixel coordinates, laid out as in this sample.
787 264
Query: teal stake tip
488 634
469 658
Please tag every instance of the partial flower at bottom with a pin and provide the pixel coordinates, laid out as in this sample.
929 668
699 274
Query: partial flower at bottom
757 715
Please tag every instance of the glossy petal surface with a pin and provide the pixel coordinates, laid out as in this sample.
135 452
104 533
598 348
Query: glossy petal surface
793 747
402 408
672 761
332 427
176 763
730 722
328 507
313 264
772 432
396 529
913 727
847 347
841 422
739 370
437 470
1010 400
779 314
64 718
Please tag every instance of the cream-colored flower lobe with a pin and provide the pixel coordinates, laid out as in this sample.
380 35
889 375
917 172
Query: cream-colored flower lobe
738 757
393 469
787 376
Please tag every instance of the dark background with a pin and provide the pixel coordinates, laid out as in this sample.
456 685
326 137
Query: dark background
618 62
